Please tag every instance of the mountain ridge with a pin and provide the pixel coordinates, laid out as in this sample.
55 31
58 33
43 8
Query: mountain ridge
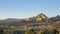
39 18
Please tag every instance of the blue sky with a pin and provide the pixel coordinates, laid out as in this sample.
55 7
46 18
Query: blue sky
28 8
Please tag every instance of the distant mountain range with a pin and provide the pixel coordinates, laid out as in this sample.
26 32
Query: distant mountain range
39 18
54 19
10 20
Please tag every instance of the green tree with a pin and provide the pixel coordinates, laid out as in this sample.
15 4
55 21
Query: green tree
43 31
54 31
30 31
5 32
40 31
1 31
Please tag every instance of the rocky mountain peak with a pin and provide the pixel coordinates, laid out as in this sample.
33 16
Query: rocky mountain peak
40 17
43 16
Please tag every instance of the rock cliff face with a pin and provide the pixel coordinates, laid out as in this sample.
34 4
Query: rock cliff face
39 18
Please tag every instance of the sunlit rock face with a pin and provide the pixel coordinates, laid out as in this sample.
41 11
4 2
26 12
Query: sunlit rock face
43 16
39 18
27 19
31 19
